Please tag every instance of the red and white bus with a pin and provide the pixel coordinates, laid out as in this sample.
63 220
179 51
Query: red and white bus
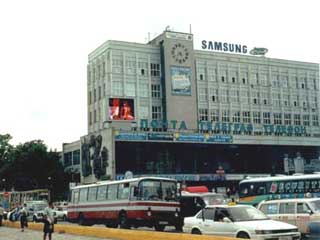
136 202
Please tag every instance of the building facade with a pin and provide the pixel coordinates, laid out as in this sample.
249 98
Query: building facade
164 108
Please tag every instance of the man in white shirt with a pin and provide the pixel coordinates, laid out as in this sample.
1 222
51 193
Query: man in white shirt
48 227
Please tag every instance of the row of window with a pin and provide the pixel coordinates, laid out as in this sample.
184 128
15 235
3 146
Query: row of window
260 79
258 117
257 98
101 193
99 72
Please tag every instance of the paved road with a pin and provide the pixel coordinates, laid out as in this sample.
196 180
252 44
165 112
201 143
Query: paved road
16 234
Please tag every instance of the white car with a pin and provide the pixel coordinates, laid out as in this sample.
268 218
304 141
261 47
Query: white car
239 221
61 213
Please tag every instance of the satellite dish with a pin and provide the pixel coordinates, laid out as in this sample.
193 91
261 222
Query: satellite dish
258 51
128 175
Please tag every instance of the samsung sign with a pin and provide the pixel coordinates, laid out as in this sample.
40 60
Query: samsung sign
225 47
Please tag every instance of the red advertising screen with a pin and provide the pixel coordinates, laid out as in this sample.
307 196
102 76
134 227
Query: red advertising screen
121 109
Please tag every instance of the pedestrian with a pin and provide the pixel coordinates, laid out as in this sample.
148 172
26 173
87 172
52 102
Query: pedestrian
1 214
23 217
48 227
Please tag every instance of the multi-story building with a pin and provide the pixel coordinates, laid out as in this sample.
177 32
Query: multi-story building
164 108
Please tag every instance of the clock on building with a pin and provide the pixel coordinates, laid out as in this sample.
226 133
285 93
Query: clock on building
180 53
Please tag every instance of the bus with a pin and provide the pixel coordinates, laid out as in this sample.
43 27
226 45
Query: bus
12 199
252 191
136 202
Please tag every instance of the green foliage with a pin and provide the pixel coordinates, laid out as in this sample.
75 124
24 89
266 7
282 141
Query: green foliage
30 165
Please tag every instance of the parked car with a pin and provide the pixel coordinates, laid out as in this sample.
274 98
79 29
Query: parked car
39 216
298 211
61 213
239 221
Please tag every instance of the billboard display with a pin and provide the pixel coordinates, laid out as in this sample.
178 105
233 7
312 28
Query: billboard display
180 80
121 109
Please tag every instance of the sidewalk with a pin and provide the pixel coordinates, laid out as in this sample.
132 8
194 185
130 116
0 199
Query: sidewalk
16 234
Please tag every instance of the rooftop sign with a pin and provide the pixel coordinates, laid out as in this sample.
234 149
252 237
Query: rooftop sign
224 47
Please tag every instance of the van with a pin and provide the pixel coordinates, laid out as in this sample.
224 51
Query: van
298 211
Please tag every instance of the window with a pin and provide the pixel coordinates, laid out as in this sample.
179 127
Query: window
104 89
102 193
208 213
203 95
303 208
203 114
236 117
76 157
103 69
266 118
223 75
264 97
144 112
117 88
225 116
90 97
214 94
286 101
201 77
67 157
155 69
75 194
234 96
263 79
224 95
306 120
287 208
246 117
156 112
269 209
297 119
123 191
315 120
143 90
95 116
214 115
287 119
112 192
99 92
256 117
90 118
276 99
155 90
245 99
212 74
277 118
92 195
83 194
255 97
95 95
130 89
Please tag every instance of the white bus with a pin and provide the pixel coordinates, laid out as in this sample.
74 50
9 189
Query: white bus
136 202
254 190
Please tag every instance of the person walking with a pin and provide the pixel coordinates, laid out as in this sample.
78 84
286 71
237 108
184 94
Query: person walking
23 217
1 214
48 227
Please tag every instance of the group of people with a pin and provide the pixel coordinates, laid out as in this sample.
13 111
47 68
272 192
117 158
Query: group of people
48 219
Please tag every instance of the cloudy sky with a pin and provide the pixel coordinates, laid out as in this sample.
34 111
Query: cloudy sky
44 47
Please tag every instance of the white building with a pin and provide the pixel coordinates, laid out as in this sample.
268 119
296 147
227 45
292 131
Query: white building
164 108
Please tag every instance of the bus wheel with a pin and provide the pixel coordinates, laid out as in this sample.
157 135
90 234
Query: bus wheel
159 227
196 231
123 221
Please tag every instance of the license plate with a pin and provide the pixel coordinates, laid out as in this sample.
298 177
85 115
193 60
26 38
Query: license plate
285 238
163 222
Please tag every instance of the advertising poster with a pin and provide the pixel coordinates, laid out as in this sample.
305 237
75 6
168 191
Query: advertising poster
180 80
121 109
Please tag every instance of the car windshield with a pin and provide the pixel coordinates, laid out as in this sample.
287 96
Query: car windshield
40 207
315 205
246 213
214 199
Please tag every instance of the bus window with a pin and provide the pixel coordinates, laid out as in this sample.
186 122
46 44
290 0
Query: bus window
83 195
92 195
169 190
102 193
75 196
112 192
150 190
123 191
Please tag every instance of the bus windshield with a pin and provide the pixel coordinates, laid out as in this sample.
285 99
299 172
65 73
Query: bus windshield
157 190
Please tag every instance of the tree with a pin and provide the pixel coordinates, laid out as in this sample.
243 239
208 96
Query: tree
5 157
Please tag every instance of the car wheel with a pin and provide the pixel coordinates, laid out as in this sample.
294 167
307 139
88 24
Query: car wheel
243 235
159 227
82 220
196 231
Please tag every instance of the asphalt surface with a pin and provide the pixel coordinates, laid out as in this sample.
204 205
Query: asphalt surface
16 234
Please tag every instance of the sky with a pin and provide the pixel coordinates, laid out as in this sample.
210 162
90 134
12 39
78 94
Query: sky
44 47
